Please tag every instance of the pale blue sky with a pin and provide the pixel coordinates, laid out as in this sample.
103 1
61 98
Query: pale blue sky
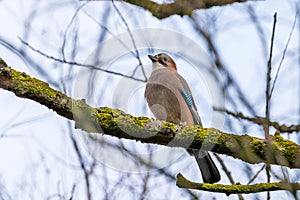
44 141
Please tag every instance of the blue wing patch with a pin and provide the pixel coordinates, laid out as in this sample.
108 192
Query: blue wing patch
190 102
187 97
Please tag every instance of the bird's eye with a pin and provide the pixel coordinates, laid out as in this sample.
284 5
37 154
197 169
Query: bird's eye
163 61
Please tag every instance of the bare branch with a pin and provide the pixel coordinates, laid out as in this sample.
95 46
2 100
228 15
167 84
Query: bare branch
261 121
257 173
133 42
79 64
227 172
268 99
269 69
284 52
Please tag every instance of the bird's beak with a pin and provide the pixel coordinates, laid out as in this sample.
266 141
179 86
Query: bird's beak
152 58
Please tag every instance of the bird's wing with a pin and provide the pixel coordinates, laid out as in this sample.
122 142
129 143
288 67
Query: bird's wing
187 95
159 97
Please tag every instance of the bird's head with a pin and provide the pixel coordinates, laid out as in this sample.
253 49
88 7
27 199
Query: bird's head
162 60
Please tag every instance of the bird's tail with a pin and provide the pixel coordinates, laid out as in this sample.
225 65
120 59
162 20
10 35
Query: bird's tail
209 171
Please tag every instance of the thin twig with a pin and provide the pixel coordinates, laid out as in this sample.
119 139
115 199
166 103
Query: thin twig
68 27
257 173
227 172
298 10
258 27
78 64
269 69
284 52
81 161
261 121
268 98
220 66
132 39
110 32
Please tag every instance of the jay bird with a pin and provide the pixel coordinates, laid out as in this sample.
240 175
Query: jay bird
169 98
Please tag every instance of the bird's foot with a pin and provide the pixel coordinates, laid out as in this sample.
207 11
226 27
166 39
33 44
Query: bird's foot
154 124
180 126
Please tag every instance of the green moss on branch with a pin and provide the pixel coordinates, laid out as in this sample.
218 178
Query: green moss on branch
236 188
117 123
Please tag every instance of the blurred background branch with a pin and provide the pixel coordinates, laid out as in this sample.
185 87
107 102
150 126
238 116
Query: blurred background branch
179 7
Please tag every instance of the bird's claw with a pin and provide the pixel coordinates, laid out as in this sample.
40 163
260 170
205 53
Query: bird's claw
180 126
154 124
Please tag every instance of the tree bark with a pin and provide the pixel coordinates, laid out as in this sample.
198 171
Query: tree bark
117 123
179 7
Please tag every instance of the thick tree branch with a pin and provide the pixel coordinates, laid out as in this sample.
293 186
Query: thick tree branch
179 7
119 124
236 188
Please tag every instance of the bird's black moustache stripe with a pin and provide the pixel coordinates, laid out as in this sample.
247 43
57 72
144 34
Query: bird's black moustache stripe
162 62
